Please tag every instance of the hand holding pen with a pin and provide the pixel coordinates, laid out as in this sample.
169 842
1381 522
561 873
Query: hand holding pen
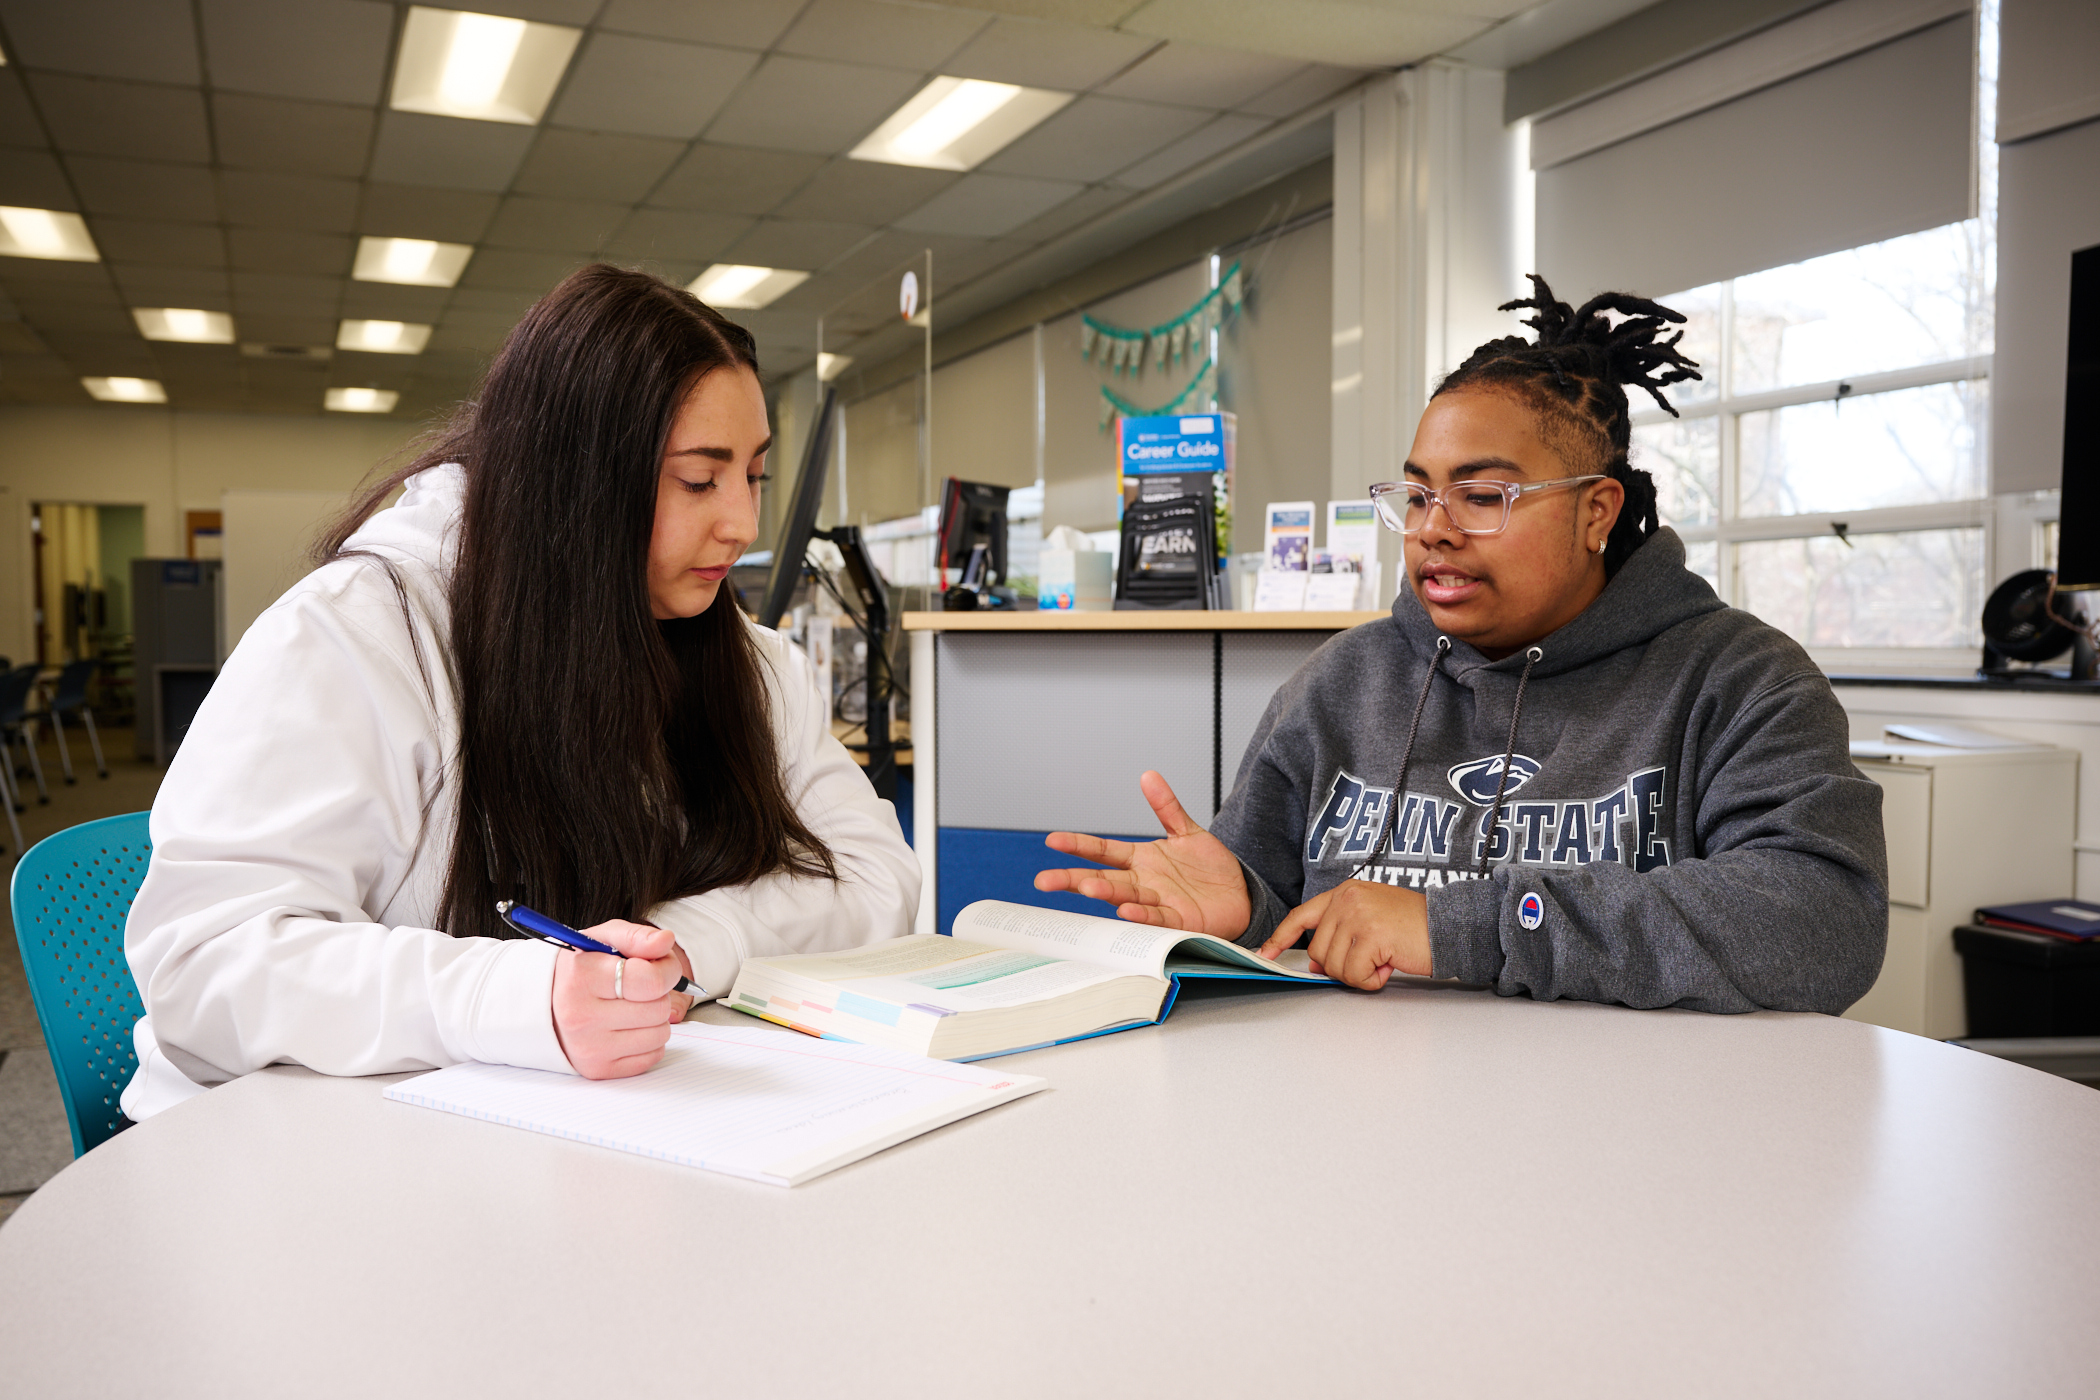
615 999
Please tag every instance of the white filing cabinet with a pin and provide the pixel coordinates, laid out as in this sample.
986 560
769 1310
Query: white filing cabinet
1966 827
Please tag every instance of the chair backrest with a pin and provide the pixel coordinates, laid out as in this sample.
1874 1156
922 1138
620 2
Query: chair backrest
71 691
72 892
14 693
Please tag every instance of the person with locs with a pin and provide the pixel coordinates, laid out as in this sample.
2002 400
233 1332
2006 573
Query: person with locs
1562 767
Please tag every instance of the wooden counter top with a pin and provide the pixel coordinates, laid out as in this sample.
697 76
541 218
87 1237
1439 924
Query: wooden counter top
1029 620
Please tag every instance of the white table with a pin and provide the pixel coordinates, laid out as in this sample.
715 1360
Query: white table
1279 1193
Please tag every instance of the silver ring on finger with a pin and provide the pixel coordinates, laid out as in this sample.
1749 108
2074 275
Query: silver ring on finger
619 978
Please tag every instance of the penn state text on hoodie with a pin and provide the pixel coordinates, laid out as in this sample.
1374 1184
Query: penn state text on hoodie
1681 823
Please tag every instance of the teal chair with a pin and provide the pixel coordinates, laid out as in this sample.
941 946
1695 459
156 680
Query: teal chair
71 894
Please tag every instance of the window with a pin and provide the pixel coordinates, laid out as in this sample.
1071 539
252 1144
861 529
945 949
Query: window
1831 471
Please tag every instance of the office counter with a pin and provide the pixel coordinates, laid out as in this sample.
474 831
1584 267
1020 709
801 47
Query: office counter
1291 1192
1032 722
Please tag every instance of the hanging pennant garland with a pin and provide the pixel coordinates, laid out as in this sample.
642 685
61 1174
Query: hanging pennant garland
1125 351
1202 387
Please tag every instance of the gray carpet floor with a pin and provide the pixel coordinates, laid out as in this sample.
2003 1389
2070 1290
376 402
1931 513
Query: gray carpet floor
34 1142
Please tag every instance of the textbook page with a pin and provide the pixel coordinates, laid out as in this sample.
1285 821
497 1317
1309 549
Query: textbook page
1117 944
948 974
766 1105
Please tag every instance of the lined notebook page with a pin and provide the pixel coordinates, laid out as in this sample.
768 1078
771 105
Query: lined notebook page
768 1105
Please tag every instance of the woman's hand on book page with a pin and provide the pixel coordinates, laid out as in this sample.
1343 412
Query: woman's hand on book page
1363 933
1187 880
613 1015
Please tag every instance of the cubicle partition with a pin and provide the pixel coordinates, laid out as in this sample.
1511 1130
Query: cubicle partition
1028 723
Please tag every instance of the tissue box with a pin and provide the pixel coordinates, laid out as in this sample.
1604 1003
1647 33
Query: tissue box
1073 580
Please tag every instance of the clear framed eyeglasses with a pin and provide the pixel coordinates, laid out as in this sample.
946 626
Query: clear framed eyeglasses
1474 507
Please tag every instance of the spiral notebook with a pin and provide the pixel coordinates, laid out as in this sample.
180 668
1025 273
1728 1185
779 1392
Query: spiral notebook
762 1104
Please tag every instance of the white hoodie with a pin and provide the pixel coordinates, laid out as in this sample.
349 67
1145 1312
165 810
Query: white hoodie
301 836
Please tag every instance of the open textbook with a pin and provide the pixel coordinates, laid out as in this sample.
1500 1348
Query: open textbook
1013 977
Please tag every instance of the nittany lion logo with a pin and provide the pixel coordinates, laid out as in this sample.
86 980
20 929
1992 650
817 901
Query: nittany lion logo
1477 781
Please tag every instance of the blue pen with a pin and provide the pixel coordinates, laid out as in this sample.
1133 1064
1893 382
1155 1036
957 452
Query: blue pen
534 924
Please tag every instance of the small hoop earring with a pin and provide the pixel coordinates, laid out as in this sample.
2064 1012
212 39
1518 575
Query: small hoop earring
1600 546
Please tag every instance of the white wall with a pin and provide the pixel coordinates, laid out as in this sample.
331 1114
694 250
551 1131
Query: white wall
268 535
169 462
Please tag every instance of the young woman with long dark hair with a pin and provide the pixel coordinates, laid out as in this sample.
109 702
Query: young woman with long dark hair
519 682
1562 767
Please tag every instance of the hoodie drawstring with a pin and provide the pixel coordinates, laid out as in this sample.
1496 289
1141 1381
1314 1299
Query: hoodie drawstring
1532 657
1414 726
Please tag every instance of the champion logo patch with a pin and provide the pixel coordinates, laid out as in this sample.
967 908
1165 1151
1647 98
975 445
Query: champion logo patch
1531 911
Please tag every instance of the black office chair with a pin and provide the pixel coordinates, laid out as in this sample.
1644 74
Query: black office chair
14 725
70 697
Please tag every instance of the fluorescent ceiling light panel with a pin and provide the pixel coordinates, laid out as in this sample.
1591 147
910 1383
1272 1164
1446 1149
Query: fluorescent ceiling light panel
736 287
45 233
120 389
383 337
412 262
361 400
184 323
955 123
488 68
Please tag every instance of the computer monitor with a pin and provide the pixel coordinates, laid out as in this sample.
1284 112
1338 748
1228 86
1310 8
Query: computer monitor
2078 524
973 534
801 524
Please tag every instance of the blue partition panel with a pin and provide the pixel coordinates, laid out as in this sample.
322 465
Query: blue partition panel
976 863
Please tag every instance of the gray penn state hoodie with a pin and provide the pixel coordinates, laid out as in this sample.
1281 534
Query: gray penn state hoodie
1682 824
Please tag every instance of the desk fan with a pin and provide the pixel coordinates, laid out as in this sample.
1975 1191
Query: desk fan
2017 623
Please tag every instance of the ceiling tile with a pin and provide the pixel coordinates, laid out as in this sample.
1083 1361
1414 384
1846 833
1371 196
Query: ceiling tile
684 235
19 338
1093 138
734 179
798 243
740 24
35 278
153 285
18 120
511 304
104 117
152 40
282 250
449 152
144 190
1191 75
307 138
591 165
59 318
554 225
866 192
1199 145
271 292
200 246
504 269
262 199
322 50
34 178
649 87
39 379
409 211
806 104
987 206
873 31
278 328
1343 32
103 354
385 301
1095 199
573 12
1064 57
1295 94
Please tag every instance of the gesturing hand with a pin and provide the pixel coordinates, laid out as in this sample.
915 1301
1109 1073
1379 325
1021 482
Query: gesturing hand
1187 881
608 1037
1363 933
